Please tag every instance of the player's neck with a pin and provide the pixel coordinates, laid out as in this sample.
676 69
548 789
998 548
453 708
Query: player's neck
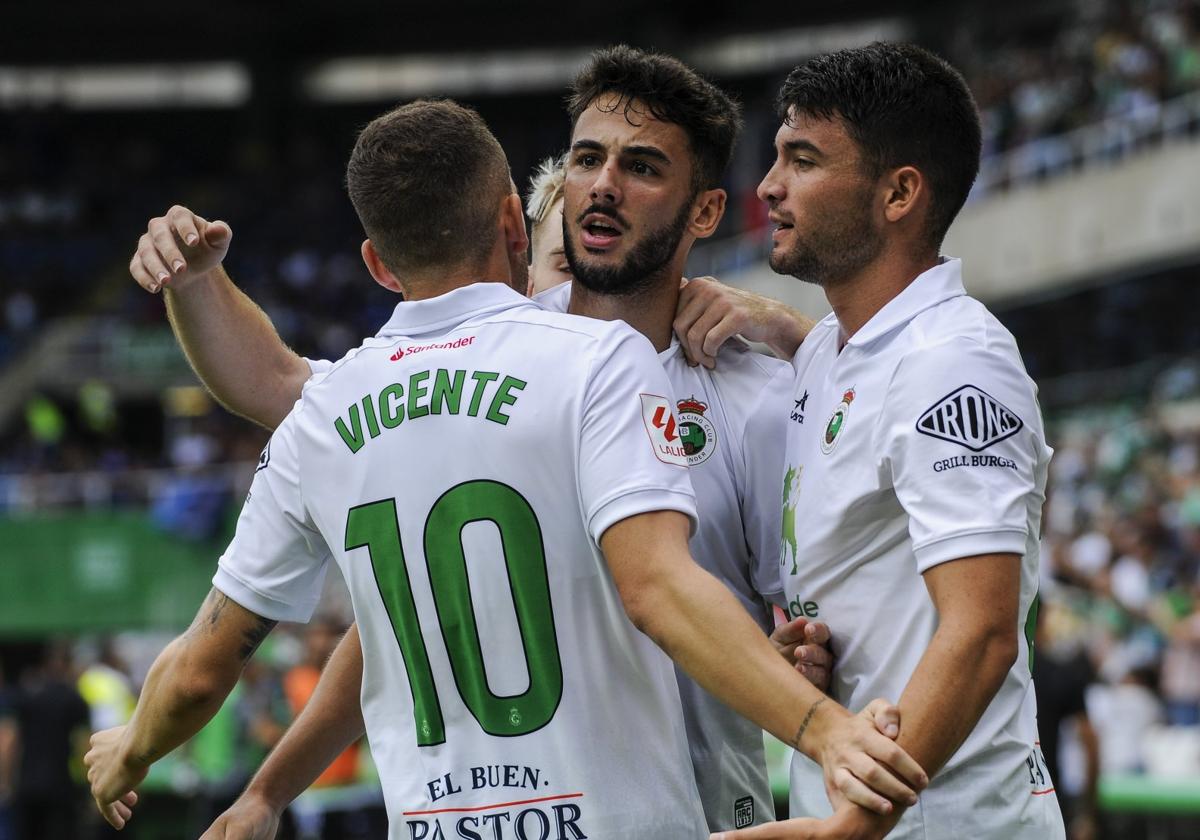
649 312
438 280
856 300
436 286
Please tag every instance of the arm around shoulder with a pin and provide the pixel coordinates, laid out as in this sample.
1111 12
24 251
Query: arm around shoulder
229 341
234 349
709 313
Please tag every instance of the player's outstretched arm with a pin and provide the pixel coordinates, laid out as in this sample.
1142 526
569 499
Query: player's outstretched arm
227 338
709 313
331 721
700 625
185 687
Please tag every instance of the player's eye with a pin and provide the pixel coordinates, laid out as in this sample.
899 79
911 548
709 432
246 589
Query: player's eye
640 167
587 160
803 163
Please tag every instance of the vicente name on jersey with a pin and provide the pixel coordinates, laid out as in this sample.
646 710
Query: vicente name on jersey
428 393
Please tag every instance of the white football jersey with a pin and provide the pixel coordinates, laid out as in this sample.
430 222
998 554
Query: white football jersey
918 443
734 444
461 468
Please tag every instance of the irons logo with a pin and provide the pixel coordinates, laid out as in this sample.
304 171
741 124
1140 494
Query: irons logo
970 417
421 348
663 430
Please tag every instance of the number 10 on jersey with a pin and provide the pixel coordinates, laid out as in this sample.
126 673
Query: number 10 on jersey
374 526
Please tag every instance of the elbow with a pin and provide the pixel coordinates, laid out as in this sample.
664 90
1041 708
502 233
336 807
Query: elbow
200 683
642 605
637 608
202 690
998 650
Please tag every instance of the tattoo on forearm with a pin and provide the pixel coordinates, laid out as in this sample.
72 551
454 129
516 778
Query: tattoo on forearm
253 637
807 720
149 756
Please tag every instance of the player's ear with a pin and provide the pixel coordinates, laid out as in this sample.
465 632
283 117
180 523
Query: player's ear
903 190
706 214
516 242
512 221
380 272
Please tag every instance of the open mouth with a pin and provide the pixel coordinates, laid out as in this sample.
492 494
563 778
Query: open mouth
599 232
780 227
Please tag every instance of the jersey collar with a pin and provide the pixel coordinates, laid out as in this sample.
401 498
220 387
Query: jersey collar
673 349
938 284
443 312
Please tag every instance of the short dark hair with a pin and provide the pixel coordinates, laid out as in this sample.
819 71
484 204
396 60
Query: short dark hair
672 92
422 178
903 106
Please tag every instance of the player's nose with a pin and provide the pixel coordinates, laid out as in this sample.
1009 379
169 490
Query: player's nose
606 188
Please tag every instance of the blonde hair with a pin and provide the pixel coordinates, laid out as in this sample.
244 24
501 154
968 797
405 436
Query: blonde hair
546 188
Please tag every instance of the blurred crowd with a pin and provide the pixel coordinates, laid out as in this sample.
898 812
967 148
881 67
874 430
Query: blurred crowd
61 692
1119 630
1117 660
1093 60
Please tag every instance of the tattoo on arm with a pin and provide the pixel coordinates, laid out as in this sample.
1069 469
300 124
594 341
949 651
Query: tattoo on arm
218 607
807 720
209 617
209 613
149 756
253 637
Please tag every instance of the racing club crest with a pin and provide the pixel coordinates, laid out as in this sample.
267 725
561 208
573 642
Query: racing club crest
696 432
837 422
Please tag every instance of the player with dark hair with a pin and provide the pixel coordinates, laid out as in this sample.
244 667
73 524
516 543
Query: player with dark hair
916 470
668 90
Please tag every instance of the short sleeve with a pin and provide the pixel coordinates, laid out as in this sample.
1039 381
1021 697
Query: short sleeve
318 366
275 565
631 459
961 435
763 449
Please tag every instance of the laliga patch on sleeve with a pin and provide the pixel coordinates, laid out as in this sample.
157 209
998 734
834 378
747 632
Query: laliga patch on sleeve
969 417
663 430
